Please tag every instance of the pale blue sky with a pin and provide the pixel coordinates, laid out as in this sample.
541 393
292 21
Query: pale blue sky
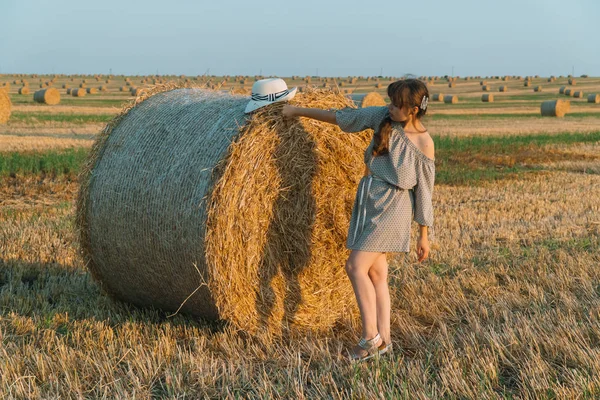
337 38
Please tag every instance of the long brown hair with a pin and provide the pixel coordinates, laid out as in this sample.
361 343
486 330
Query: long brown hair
403 93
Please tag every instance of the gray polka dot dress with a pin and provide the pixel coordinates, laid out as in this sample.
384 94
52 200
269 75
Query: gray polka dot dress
398 191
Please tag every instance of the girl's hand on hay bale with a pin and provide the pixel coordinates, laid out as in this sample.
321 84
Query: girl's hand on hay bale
422 248
288 111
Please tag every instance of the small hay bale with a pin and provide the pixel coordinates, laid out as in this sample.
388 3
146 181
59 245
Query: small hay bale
450 99
568 92
572 82
24 90
371 99
138 91
551 79
487 98
555 108
593 98
92 90
482 83
451 84
78 92
123 89
486 88
437 97
103 88
503 88
69 90
188 204
527 83
537 89
82 85
578 94
65 86
562 89
5 107
48 96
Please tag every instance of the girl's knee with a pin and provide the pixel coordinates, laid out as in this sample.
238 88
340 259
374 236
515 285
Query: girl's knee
378 274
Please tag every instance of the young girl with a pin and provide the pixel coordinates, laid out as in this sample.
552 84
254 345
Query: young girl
397 186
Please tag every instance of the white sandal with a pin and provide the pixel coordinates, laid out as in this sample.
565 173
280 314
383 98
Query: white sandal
371 347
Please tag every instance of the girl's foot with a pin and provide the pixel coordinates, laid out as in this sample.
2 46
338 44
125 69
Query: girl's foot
367 349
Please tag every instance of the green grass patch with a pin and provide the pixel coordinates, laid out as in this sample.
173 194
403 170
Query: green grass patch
33 118
61 162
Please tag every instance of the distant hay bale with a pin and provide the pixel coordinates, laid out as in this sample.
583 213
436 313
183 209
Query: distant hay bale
593 98
24 90
82 85
65 86
451 84
50 96
123 89
537 89
223 216
551 79
5 107
482 83
503 89
555 108
578 95
103 88
138 91
487 98
572 82
69 90
437 97
371 99
568 92
562 89
527 83
78 92
486 88
450 99
92 90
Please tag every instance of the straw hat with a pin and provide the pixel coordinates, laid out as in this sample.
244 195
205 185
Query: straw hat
269 91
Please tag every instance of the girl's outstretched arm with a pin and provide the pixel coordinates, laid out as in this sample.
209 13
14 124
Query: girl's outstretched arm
315 113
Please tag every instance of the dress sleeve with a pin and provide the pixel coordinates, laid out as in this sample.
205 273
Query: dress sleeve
423 211
358 119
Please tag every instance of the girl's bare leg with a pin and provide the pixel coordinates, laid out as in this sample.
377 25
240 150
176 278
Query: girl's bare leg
357 267
378 273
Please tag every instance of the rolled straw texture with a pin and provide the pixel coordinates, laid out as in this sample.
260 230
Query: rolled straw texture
187 202
593 98
449 99
487 98
555 108
5 106
47 96
370 99
78 92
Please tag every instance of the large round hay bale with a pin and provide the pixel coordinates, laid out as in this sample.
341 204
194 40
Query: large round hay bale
537 89
593 98
137 91
486 88
527 83
482 83
562 89
123 89
437 97
69 90
487 98
578 94
568 92
24 90
92 90
572 82
78 92
451 84
188 204
5 106
555 108
102 88
82 85
503 88
49 96
370 99
449 99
